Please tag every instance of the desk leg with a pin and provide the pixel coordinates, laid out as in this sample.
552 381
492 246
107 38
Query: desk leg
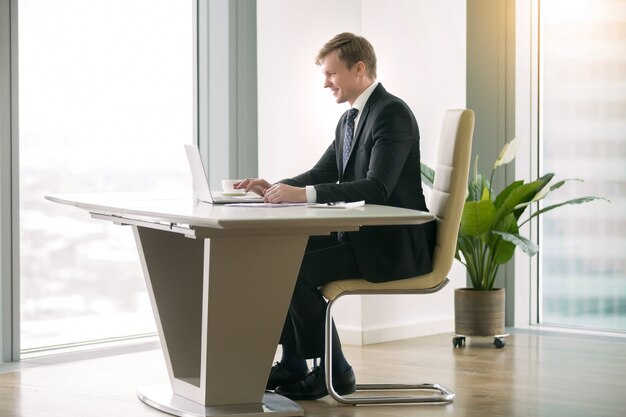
220 304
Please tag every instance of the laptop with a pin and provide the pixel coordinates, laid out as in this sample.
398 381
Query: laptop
201 184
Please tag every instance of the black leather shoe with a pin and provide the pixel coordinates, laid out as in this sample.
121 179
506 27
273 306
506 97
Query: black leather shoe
279 375
313 387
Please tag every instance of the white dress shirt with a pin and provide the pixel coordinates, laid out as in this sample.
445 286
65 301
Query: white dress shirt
359 104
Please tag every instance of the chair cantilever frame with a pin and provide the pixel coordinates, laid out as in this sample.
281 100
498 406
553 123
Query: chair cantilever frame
445 394
446 202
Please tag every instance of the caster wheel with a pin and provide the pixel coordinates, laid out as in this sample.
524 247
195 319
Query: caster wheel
499 342
458 341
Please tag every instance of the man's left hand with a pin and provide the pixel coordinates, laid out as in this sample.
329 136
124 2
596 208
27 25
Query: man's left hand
283 193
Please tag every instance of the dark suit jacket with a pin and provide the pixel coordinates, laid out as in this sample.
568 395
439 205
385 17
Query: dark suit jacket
384 168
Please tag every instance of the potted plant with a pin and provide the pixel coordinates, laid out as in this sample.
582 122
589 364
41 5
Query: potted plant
488 235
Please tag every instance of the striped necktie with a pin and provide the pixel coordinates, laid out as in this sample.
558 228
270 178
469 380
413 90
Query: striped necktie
348 135
347 144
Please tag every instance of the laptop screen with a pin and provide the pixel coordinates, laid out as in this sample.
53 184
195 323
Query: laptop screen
200 182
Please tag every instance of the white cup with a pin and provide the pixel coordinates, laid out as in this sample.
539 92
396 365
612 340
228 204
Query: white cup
228 186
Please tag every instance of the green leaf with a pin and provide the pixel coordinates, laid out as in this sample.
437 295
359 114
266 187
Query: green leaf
505 193
476 186
503 250
504 253
486 194
545 191
519 195
559 184
508 224
428 175
546 180
529 247
477 217
580 200
466 246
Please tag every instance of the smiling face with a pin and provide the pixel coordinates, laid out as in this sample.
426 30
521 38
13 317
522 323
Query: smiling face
345 83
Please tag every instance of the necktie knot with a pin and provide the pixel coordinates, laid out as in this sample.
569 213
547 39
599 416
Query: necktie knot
352 114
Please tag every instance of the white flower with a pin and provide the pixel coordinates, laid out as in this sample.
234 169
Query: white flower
507 154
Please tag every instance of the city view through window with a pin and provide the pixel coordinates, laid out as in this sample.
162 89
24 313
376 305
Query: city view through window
583 120
105 106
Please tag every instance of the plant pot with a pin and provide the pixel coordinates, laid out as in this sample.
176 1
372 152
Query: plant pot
479 313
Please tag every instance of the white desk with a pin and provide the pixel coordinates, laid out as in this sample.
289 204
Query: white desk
220 280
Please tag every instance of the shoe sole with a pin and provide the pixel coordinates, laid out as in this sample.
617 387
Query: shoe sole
267 387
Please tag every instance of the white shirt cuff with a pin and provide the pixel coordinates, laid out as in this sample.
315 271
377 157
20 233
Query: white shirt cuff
311 194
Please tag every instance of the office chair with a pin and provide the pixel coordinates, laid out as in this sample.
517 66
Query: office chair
446 202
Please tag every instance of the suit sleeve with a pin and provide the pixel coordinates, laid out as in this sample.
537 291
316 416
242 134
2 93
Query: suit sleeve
393 134
324 171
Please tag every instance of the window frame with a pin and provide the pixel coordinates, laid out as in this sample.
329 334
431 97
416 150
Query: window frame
527 161
9 184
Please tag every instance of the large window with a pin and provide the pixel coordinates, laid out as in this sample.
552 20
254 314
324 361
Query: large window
583 135
105 105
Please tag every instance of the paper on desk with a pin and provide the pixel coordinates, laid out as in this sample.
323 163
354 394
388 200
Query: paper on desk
265 205
339 205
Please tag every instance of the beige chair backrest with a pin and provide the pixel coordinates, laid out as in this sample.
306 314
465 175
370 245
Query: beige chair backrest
450 186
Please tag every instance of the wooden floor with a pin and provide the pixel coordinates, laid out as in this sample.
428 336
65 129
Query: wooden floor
547 375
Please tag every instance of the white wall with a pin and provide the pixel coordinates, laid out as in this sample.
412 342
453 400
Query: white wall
420 46
297 117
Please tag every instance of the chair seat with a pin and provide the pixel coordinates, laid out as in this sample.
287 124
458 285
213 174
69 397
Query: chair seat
421 283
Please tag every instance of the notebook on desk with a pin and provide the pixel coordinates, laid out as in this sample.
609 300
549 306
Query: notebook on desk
201 183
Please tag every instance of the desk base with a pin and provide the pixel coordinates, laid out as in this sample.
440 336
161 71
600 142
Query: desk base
162 398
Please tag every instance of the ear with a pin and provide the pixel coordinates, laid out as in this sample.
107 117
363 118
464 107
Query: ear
360 67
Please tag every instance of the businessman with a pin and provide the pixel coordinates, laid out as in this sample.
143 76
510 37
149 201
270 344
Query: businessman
375 157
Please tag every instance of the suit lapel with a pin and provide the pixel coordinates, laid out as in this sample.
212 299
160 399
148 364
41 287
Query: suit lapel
359 129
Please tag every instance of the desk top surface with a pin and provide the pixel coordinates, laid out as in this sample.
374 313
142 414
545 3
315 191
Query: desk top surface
179 210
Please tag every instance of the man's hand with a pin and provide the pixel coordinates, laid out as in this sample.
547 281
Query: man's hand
256 185
283 193
278 193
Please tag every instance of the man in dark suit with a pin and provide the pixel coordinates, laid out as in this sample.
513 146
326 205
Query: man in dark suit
375 157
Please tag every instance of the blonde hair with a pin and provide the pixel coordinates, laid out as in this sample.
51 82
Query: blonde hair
350 49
